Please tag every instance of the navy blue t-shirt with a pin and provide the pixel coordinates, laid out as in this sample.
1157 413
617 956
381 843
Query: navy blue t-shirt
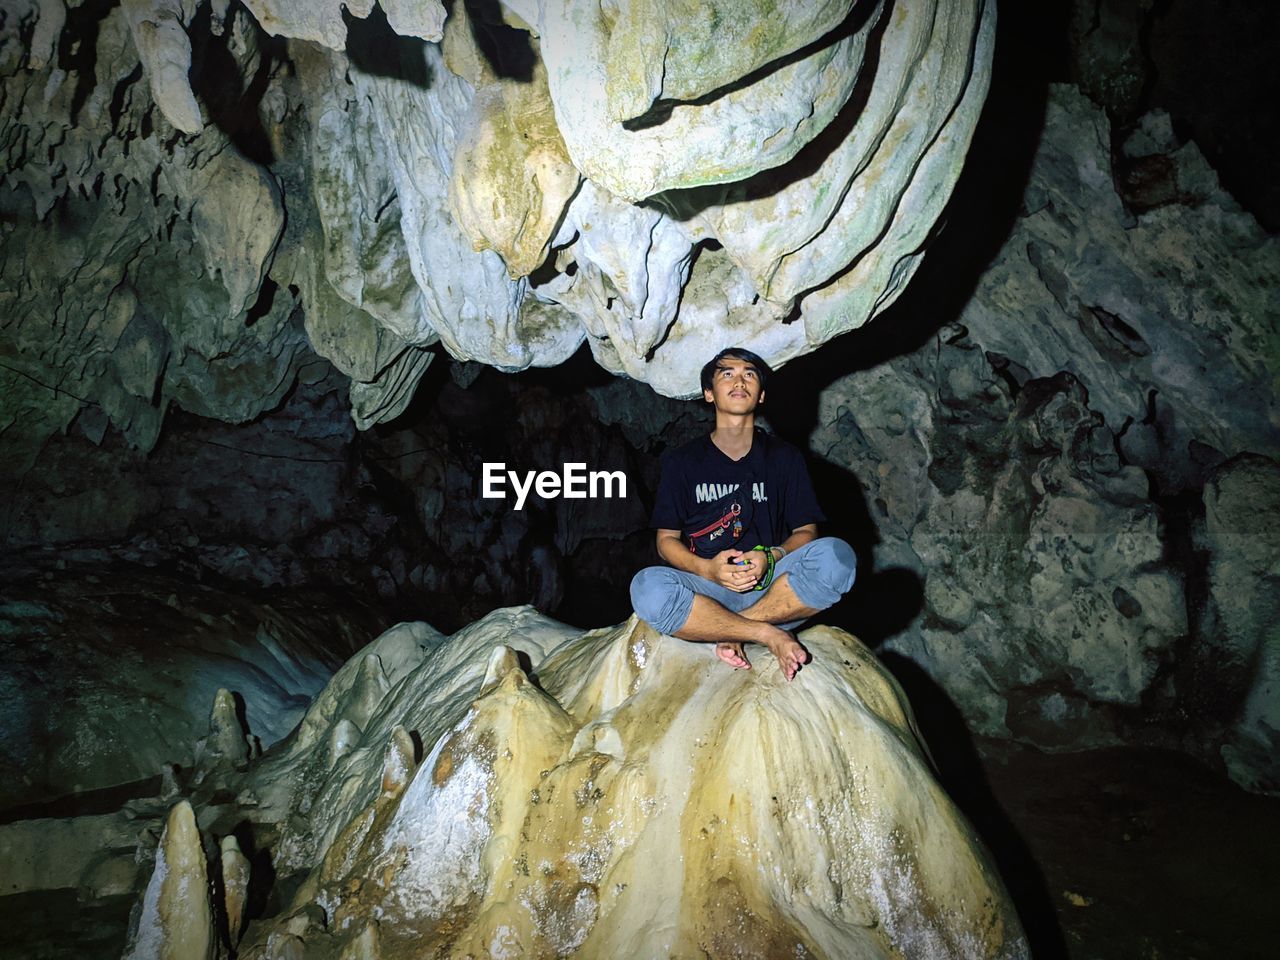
722 504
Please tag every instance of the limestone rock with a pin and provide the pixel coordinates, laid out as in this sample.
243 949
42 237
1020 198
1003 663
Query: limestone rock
235 886
831 238
176 922
730 137
226 741
51 853
1124 304
116 712
512 177
641 799
140 292
435 183
50 19
321 21
1242 537
160 36
1037 465
661 50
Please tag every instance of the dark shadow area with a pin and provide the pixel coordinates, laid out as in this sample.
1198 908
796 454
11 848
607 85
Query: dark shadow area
242 717
262 873
508 50
960 771
78 48
418 750
57 924
88 803
215 79
881 604
374 48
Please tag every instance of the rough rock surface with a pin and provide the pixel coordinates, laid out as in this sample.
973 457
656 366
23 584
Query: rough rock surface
1241 538
176 922
638 798
302 499
474 180
133 256
109 678
1039 463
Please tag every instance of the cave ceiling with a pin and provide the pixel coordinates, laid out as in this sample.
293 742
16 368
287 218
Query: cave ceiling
200 197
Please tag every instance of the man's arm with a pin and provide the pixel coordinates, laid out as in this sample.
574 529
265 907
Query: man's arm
717 569
799 537
758 566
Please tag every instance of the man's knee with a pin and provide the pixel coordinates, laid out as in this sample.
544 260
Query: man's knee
660 599
825 572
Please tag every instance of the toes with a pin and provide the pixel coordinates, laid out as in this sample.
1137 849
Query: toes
731 653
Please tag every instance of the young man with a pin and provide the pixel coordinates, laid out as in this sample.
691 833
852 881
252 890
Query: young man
737 520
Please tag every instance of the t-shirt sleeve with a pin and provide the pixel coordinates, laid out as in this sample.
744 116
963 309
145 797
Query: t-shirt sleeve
801 505
668 506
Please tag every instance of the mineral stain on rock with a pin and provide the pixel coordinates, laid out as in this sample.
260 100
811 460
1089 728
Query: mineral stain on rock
734 813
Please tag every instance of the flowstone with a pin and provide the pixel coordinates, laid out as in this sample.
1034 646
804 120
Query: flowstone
506 179
618 793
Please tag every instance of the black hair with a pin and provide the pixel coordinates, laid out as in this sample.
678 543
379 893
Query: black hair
736 353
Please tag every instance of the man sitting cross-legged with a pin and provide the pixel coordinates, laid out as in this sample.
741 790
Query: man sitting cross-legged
737 520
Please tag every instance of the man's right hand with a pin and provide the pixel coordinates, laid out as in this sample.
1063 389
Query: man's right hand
724 568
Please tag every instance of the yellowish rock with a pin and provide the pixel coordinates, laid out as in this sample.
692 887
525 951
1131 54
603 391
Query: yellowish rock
512 176
641 799
176 922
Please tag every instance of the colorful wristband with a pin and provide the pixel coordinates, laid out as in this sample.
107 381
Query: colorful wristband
768 577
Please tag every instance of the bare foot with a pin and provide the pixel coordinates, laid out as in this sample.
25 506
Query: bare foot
791 655
731 653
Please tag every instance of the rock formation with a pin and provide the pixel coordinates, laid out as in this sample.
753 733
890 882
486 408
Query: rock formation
637 798
235 876
507 181
176 922
109 676
1039 462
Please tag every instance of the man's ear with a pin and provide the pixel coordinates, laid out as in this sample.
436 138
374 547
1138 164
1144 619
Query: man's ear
708 396
761 400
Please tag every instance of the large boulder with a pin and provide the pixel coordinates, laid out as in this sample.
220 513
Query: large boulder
620 792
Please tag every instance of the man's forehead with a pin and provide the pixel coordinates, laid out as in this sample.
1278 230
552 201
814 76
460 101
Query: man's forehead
730 363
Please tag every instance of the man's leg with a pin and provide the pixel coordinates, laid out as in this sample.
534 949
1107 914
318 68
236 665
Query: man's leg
807 582
693 608
823 570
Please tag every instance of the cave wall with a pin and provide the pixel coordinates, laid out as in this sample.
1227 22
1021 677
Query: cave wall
278 228
1067 468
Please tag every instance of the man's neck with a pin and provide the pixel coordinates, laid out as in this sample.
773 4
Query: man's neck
733 434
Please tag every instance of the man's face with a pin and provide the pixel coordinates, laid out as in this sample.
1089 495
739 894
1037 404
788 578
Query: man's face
735 388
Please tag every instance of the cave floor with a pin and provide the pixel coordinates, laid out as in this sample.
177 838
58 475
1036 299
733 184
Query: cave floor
1132 854
1122 854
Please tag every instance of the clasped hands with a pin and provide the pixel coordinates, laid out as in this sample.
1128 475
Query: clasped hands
739 570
